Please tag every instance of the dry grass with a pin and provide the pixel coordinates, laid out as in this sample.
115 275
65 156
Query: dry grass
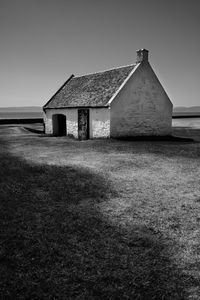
99 219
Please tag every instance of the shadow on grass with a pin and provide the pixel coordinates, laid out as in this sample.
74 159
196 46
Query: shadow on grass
33 130
56 244
169 138
190 132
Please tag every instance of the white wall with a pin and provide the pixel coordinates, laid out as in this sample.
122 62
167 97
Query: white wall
142 107
71 120
99 121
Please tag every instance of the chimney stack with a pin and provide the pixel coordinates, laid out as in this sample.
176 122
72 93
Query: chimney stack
142 55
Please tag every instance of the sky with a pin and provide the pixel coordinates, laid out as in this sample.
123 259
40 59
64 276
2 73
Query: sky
43 42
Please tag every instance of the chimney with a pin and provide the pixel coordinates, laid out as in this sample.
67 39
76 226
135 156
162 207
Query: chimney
142 55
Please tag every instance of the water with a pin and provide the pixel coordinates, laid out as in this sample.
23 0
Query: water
186 122
20 115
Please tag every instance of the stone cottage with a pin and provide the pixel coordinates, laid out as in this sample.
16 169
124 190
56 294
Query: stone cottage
122 102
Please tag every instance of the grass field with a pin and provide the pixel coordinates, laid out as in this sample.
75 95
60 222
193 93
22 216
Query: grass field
99 219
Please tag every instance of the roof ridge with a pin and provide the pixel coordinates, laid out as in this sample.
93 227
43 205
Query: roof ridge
92 89
105 70
123 83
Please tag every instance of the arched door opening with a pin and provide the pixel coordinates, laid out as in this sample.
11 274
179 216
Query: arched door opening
59 125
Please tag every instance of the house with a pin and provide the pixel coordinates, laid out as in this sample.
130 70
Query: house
122 102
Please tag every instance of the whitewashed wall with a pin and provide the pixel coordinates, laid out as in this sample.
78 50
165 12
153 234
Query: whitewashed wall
142 107
71 120
99 121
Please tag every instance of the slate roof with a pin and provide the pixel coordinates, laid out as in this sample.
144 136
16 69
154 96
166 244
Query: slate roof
93 90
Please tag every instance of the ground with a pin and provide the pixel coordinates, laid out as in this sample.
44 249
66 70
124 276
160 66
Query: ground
99 219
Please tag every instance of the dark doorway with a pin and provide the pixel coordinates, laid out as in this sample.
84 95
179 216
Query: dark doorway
83 124
59 125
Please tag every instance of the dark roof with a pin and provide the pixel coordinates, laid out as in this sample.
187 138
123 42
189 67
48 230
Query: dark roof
90 90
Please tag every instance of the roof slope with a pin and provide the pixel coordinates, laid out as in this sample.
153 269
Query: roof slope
90 90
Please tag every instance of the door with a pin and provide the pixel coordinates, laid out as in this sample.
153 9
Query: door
59 124
62 125
83 124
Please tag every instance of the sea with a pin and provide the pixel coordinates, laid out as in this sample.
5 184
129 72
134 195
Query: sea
186 122
20 115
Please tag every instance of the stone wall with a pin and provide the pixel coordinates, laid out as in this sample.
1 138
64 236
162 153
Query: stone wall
71 120
99 119
141 107
99 122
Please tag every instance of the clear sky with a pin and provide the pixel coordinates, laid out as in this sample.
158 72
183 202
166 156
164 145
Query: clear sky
42 42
